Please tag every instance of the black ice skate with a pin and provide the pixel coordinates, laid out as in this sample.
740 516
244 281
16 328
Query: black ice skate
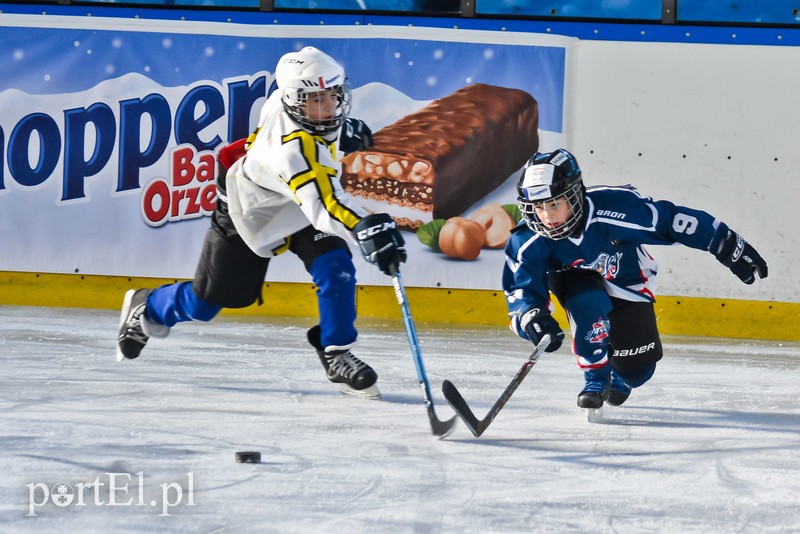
351 375
134 326
595 390
620 391
591 399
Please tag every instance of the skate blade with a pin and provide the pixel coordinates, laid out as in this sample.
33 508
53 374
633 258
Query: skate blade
594 415
126 304
371 393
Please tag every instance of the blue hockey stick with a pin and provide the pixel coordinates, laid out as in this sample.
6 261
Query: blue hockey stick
440 428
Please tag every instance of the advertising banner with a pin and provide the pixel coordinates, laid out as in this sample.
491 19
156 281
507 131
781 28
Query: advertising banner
109 131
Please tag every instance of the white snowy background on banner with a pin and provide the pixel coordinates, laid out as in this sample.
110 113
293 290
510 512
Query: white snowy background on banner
711 139
108 222
106 232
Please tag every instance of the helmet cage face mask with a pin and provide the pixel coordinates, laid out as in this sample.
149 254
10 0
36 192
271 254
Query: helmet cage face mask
573 197
296 102
548 181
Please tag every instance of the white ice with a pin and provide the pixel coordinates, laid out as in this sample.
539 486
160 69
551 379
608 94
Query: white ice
710 444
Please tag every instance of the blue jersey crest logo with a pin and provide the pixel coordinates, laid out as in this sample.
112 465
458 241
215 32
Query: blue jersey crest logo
605 264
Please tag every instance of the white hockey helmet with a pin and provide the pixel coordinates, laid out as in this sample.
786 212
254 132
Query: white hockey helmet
310 72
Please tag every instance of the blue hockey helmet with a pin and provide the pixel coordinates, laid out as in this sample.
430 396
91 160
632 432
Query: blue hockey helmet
549 178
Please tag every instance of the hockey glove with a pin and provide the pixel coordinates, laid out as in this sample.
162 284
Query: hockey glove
536 323
380 242
738 255
355 136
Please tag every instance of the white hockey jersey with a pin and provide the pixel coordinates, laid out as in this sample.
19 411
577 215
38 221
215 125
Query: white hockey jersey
288 179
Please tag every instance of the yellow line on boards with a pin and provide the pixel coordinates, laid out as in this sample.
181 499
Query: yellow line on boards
685 316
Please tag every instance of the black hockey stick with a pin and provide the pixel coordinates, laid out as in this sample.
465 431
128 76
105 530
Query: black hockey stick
440 428
477 427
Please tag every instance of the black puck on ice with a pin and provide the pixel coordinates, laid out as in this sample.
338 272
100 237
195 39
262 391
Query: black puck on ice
248 457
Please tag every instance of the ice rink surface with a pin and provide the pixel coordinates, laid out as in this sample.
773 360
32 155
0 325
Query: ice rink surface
710 444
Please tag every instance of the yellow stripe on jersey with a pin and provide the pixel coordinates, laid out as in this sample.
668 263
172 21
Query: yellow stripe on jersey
251 138
321 176
280 249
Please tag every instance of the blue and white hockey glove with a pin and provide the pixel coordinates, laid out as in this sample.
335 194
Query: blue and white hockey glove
380 242
536 323
355 136
738 255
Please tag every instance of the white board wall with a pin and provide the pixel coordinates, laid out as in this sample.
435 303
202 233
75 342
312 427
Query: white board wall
715 127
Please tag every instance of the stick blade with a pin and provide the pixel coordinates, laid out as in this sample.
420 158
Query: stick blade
440 429
460 406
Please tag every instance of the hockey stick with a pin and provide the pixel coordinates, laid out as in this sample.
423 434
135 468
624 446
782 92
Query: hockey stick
440 428
477 427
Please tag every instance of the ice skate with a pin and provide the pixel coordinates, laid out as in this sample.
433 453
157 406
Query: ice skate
595 390
591 399
351 375
620 391
134 326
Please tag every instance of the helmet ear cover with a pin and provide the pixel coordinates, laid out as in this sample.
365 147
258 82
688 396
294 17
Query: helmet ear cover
552 177
303 74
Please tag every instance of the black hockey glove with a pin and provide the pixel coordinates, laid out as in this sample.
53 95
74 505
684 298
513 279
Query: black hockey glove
355 135
380 242
536 323
738 255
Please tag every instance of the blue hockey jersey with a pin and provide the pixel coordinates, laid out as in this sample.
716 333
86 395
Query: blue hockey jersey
619 221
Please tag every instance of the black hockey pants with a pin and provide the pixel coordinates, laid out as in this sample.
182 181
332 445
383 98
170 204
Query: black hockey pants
624 330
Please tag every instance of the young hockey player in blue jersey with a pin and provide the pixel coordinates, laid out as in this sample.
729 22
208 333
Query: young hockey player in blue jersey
585 246
282 192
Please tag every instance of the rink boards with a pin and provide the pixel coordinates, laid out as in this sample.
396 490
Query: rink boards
677 315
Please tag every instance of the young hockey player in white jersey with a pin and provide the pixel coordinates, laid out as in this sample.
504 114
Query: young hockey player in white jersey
282 192
585 246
